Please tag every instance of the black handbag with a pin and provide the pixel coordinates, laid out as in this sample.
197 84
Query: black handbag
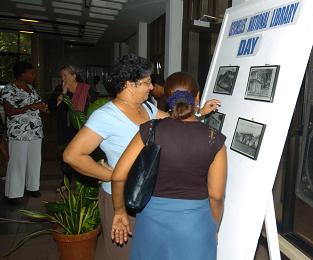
143 174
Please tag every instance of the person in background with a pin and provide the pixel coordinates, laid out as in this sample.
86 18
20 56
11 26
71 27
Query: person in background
81 95
99 87
112 127
181 219
157 96
22 106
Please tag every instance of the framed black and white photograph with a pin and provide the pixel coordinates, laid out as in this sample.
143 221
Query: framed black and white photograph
247 138
215 120
226 79
262 83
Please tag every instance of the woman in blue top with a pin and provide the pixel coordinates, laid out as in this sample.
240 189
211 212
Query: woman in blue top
112 127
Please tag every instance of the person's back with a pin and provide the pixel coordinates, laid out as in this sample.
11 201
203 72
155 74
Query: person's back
188 149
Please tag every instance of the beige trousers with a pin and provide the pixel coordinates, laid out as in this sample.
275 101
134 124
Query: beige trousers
23 167
110 249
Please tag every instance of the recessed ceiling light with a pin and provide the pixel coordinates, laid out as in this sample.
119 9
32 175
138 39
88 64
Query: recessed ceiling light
101 16
111 5
26 32
29 20
67 6
64 11
97 24
31 7
100 10
34 2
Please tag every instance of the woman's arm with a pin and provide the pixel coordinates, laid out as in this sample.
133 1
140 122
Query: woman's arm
161 114
11 111
77 154
217 175
209 106
120 224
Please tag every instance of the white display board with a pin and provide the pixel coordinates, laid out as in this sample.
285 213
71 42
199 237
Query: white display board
276 33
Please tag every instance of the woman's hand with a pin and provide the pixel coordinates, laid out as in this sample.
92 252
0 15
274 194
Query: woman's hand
120 228
210 106
106 166
41 106
59 99
64 87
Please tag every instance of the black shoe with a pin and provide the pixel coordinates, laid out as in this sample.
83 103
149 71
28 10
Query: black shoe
34 194
12 201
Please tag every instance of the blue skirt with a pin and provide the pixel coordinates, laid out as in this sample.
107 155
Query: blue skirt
174 229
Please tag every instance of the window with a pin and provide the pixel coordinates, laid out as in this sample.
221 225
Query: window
25 44
13 47
8 42
293 189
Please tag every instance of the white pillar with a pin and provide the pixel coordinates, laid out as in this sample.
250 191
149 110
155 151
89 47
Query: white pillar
238 2
173 36
116 52
142 39
124 49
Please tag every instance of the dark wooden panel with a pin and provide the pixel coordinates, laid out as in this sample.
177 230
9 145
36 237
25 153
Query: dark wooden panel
157 43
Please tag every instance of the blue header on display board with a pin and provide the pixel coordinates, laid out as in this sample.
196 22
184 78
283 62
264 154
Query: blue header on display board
269 19
283 15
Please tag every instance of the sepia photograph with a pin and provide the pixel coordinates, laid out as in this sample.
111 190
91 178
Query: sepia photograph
262 83
225 80
247 138
215 120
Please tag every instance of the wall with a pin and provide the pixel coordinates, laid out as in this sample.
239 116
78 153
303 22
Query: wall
238 2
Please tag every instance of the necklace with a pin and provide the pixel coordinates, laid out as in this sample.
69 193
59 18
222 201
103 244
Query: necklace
138 109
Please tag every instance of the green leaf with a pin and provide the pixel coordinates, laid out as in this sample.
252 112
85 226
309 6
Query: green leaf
26 238
36 215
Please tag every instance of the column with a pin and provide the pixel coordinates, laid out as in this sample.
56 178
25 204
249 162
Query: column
124 50
116 51
142 39
173 36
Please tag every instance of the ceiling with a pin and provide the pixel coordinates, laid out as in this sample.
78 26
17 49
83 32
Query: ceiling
85 21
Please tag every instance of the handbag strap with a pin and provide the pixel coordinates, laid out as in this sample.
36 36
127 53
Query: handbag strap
151 136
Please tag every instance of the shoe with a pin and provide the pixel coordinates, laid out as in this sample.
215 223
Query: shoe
34 194
12 201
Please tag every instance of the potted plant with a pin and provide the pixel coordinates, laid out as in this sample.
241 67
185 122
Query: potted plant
75 222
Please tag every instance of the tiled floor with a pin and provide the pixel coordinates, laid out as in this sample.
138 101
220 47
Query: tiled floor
43 248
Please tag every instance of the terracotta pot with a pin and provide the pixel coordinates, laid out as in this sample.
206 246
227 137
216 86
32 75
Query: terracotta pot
77 247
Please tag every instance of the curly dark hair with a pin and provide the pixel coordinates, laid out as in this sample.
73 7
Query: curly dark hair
129 67
157 79
20 67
